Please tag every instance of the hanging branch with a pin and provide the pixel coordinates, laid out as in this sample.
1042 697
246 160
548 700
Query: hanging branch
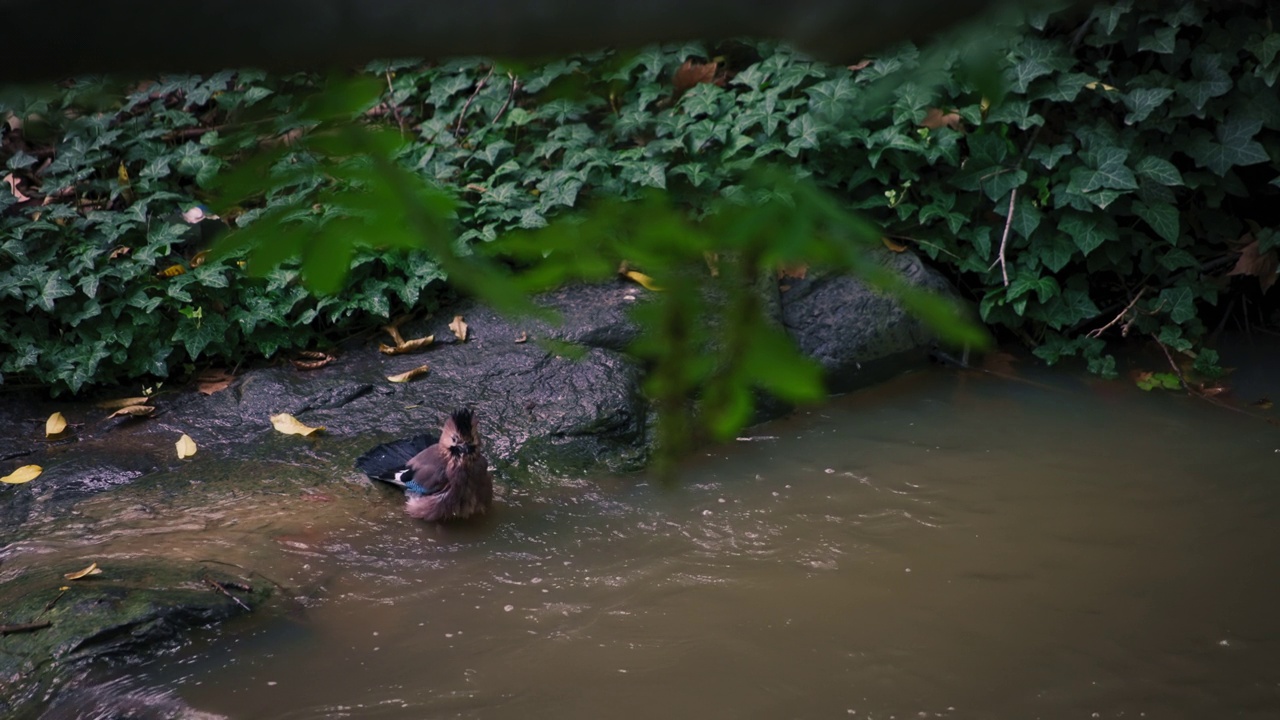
1004 239
462 115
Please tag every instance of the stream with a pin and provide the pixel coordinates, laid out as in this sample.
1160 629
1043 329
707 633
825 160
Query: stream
940 546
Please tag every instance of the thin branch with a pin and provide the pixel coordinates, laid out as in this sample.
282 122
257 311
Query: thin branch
219 587
1004 239
1118 318
510 97
457 130
1177 370
391 103
24 627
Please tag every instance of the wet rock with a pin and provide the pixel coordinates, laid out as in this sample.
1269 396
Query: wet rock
859 335
128 611
120 699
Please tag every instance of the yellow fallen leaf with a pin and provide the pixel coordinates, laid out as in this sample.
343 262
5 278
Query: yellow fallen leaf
893 245
133 411
1095 85
172 271
26 473
186 446
459 328
122 402
409 375
289 425
54 425
405 346
644 280
91 570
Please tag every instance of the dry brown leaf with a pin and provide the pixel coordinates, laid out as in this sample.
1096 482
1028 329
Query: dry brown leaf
691 73
54 425
860 66
409 374
186 446
644 280
133 411
893 245
213 380
120 251
406 346
312 360
24 474
459 328
121 402
793 271
522 337
290 425
12 182
935 119
93 569
713 263
1260 265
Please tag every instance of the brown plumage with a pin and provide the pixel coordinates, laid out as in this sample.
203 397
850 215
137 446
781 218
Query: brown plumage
447 480
452 474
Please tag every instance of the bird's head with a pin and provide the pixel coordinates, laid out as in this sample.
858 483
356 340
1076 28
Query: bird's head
459 435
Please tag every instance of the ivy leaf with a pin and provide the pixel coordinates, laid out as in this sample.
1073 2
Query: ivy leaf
832 98
1234 146
52 288
1179 303
1048 155
1056 252
650 174
1105 168
805 131
1208 81
1026 217
1109 15
1087 231
1074 307
1159 170
1020 76
1162 217
1061 89
1161 40
1142 101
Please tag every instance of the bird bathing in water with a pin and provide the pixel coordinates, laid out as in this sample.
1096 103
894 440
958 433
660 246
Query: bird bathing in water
444 478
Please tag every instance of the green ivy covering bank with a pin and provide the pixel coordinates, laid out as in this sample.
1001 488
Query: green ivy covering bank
1127 168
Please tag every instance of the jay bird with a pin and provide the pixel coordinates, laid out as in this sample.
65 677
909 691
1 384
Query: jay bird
444 478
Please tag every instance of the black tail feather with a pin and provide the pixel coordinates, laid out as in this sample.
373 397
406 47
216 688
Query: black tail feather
384 461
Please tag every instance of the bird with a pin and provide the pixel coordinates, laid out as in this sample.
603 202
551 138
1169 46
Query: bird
444 477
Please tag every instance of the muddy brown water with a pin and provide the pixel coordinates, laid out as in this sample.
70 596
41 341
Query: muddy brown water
942 546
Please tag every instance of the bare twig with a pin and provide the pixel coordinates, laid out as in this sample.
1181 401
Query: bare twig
24 627
1177 370
1004 239
510 97
1118 318
391 103
457 130
220 588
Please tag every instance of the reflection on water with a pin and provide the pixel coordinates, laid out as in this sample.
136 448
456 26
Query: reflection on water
942 546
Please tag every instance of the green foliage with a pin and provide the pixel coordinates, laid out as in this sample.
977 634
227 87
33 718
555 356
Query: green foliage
87 283
1110 159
